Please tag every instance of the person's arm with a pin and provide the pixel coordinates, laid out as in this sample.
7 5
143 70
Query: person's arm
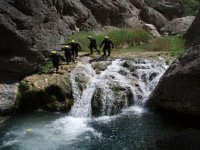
102 44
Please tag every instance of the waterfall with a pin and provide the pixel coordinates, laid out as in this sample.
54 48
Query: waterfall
137 76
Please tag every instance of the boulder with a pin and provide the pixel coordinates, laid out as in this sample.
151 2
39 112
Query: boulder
152 30
122 98
178 89
49 92
178 26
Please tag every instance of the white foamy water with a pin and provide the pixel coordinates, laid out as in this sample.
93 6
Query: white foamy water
62 132
145 74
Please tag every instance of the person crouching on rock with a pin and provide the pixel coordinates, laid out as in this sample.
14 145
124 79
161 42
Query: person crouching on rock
69 56
108 44
93 44
75 48
55 58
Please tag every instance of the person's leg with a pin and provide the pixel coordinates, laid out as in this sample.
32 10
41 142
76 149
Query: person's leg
56 65
95 47
104 51
109 51
91 50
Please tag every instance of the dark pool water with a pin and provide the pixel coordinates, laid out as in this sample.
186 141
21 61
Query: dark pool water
133 129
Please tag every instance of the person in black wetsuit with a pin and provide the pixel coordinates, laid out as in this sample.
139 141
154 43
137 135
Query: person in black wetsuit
93 45
55 58
69 56
108 44
75 48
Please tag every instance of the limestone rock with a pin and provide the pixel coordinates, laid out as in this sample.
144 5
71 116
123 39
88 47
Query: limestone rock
178 89
152 30
178 26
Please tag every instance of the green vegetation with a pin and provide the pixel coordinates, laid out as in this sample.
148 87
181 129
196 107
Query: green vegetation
23 86
46 67
175 45
122 38
190 7
133 40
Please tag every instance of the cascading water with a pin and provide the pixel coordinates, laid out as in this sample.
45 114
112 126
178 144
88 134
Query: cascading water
140 76
115 85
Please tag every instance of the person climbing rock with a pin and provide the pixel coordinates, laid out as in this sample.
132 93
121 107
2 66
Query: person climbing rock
93 44
68 54
75 48
108 44
55 58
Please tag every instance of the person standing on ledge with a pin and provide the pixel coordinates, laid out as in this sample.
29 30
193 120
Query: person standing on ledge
68 54
108 45
55 58
75 48
93 44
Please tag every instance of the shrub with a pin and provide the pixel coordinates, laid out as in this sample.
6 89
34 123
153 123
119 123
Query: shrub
23 86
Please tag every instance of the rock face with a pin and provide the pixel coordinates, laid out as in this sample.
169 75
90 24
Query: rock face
171 9
178 90
178 26
29 29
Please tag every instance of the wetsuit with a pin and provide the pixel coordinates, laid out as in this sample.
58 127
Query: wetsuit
93 45
68 54
108 44
75 48
55 58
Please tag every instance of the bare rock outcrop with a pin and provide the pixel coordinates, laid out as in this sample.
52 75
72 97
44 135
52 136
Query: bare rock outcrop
178 90
178 26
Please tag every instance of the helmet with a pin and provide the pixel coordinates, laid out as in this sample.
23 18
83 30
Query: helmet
53 52
89 37
72 41
106 37
66 46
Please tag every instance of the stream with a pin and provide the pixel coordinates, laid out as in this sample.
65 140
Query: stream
132 128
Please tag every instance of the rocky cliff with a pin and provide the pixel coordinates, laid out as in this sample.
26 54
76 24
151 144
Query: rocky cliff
29 29
178 90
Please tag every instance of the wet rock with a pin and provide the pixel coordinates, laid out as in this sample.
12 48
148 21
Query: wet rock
178 89
101 66
82 81
153 76
178 26
96 102
123 99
